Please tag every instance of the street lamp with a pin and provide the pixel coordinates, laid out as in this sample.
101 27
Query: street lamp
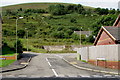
80 36
16 30
27 38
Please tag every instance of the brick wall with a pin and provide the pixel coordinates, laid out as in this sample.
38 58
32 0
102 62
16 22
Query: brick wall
106 64
105 39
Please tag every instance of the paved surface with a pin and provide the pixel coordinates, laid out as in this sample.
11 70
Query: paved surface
20 63
52 65
83 65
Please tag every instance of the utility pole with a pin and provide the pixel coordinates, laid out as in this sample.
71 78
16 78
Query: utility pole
80 36
27 37
16 32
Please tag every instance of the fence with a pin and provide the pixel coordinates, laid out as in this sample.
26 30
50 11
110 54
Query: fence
14 57
102 55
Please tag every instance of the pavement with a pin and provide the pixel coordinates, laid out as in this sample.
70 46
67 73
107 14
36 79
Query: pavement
17 65
86 66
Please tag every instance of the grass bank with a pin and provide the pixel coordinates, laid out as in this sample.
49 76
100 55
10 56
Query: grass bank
4 63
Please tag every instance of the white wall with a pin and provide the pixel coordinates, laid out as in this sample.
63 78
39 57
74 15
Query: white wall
108 52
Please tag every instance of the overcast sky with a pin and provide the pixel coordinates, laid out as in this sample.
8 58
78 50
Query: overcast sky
92 3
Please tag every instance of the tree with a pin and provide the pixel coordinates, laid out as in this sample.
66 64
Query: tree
20 9
58 9
21 33
19 46
70 8
112 11
90 39
75 36
102 11
107 20
73 20
80 9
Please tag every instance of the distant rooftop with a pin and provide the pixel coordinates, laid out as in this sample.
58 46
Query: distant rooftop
88 33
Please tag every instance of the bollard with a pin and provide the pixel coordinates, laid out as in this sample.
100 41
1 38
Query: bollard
78 56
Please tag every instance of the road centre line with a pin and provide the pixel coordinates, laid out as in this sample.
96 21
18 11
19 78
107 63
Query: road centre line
55 73
48 62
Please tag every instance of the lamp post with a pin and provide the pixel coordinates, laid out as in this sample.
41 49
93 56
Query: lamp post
16 30
27 38
78 54
80 36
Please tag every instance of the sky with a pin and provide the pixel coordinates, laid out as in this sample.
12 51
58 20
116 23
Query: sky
92 3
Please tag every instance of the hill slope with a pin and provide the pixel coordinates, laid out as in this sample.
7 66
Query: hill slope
35 5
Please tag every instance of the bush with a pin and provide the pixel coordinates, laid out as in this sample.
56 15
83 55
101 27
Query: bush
90 39
19 47
21 33
73 20
75 36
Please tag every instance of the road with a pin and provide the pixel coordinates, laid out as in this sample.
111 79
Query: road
51 65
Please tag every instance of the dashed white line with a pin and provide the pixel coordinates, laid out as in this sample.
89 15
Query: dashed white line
48 62
52 69
55 72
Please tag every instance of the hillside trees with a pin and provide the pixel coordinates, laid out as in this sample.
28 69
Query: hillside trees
57 9
19 47
21 33
102 11
60 9
103 21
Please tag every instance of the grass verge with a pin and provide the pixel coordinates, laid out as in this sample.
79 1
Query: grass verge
4 63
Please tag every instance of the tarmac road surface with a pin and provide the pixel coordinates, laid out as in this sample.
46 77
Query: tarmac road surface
51 65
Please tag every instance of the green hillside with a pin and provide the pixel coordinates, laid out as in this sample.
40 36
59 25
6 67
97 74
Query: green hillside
35 6
52 24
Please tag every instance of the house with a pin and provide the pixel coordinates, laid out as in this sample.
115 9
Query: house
107 53
109 35
86 33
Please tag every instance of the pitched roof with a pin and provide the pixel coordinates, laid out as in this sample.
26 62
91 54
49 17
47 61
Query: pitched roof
117 22
83 32
112 31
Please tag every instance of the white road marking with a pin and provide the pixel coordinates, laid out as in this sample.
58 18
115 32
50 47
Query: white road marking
55 72
52 69
97 76
107 75
22 75
84 76
48 62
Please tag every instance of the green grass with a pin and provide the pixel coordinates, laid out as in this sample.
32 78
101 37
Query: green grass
4 63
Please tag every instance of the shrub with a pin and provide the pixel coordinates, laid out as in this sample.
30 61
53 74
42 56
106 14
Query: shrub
19 47
75 36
